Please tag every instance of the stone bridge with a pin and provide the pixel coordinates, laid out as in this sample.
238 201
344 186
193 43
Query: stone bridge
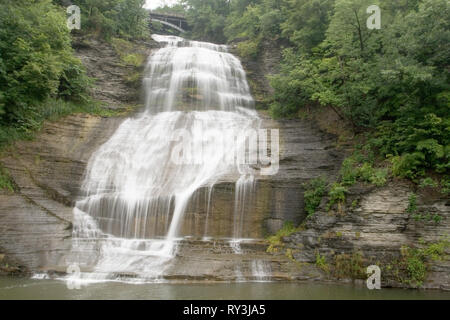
177 22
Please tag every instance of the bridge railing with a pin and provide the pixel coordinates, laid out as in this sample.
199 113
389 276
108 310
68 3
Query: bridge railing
171 15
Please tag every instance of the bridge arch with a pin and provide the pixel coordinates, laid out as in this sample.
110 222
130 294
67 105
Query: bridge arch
173 21
169 25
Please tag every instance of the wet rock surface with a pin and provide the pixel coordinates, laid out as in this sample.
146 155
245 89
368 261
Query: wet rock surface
49 171
110 74
36 220
377 229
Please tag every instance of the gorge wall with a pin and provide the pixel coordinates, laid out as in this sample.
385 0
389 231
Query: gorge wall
36 220
374 226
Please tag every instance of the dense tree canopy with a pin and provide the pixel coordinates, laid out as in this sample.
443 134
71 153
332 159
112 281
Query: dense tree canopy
36 58
39 74
207 18
107 18
393 81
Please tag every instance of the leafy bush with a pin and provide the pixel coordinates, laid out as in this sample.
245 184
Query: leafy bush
248 49
428 182
349 172
5 180
36 61
379 177
313 194
445 185
349 266
415 261
412 203
336 195
415 267
321 262
276 240
114 18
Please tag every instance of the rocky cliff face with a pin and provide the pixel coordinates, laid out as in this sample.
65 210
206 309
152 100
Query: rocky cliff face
35 221
378 230
48 172
374 227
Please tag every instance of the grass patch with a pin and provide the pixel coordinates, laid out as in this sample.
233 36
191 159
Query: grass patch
336 195
412 203
413 266
349 266
52 109
127 52
6 183
321 263
276 240
360 168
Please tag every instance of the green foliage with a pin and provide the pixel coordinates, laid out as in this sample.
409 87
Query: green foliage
156 26
393 80
276 240
126 51
306 22
6 182
415 266
51 109
114 18
427 217
349 266
436 251
378 177
36 61
415 261
260 19
412 203
207 19
248 49
349 172
177 9
336 195
358 167
313 194
445 185
428 182
321 262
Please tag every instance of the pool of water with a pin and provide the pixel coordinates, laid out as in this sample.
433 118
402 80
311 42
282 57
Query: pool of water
21 288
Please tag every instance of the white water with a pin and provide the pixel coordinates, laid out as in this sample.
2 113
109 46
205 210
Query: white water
137 188
261 270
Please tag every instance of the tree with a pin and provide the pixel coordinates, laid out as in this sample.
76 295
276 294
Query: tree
36 58
207 19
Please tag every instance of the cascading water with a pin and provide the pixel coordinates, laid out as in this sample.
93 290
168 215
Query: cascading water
139 183
260 270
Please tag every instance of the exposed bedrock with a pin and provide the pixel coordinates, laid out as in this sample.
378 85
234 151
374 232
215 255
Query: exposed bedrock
35 221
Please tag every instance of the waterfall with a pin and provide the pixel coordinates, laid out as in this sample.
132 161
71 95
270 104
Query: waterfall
261 270
139 183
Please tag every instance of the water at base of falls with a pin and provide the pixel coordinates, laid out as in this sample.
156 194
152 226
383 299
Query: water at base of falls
139 183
